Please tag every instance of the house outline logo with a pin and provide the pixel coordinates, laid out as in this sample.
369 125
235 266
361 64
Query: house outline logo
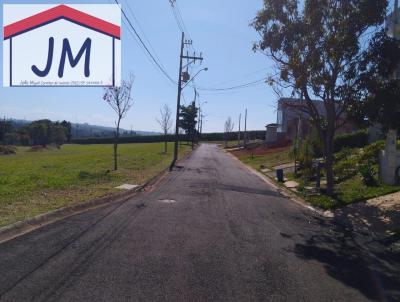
83 50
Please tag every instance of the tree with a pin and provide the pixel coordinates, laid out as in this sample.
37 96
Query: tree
228 128
59 134
165 123
120 100
39 132
6 126
313 45
68 130
376 95
188 121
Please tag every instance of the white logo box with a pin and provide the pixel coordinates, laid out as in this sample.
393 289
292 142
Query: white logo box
29 31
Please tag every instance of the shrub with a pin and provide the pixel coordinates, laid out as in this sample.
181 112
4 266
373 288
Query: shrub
357 139
305 158
346 168
368 173
7 150
371 152
343 154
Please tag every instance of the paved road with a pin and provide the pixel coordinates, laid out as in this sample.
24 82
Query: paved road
211 231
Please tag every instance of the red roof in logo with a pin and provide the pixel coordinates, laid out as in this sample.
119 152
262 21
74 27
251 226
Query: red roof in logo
62 12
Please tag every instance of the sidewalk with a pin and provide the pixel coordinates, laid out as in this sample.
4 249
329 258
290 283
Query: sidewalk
379 217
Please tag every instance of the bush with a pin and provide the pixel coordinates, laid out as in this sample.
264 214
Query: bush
7 150
371 152
346 162
368 173
357 139
305 158
346 168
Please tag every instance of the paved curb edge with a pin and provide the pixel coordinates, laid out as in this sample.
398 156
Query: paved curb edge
282 190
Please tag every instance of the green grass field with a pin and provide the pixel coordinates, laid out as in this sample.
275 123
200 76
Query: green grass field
33 183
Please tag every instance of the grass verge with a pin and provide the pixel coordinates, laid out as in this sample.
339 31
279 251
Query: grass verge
32 183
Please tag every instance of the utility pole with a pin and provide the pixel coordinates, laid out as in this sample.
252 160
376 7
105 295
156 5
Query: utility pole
183 77
199 121
245 129
201 124
240 119
178 103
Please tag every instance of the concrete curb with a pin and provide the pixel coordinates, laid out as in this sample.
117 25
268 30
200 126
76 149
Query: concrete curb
282 190
20 228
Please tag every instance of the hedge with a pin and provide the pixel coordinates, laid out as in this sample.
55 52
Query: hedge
252 135
357 139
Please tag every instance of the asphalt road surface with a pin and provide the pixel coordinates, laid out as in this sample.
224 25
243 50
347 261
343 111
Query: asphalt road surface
210 231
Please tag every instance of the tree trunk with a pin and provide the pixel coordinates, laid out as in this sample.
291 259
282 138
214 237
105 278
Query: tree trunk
329 149
166 145
116 146
115 156
329 161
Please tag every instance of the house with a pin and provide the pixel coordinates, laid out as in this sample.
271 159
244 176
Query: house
292 122
60 45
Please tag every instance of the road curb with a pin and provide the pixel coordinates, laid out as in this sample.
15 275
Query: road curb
282 190
20 228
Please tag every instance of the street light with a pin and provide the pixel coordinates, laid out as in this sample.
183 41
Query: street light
204 69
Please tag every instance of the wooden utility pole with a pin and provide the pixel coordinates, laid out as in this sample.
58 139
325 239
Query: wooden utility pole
240 119
183 77
178 103
245 129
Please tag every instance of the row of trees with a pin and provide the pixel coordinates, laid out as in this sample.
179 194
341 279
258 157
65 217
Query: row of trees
41 132
319 54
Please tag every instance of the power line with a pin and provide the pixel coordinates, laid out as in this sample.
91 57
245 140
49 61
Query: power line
143 32
174 12
242 78
179 20
145 46
241 86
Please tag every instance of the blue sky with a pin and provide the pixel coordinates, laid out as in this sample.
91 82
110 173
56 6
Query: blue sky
220 29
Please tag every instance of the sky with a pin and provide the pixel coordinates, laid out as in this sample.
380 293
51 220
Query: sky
219 29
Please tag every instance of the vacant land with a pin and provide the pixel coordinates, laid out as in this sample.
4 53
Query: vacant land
35 182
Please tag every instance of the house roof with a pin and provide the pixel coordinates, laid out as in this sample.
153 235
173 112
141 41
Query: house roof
61 12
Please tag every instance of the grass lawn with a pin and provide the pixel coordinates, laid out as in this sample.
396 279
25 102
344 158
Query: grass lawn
268 160
351 191
33 183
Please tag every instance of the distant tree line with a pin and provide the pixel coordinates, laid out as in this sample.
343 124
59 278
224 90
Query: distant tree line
206 137
41 132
